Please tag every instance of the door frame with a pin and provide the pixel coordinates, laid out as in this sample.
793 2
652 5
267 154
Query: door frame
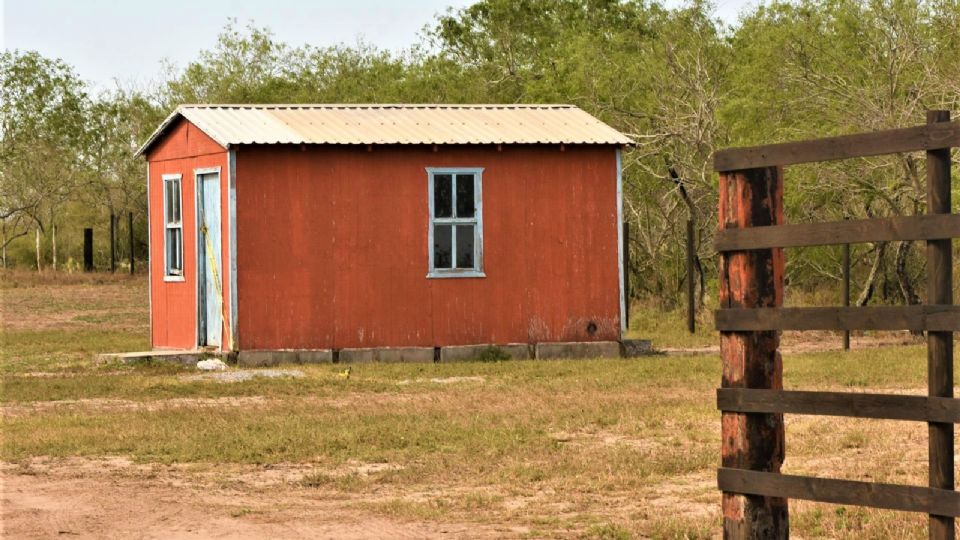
201 248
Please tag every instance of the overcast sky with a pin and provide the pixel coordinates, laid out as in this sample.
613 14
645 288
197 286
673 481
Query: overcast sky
126 40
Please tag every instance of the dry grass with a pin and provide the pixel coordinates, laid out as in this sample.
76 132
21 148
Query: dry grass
595 449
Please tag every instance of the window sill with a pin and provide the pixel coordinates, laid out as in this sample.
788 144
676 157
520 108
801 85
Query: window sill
456 274
174 279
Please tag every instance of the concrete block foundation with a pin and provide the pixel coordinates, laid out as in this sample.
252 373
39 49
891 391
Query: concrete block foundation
630 348
466 353
275 358
386 354
585 349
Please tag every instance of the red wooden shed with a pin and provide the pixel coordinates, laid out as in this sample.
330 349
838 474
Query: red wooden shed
329 227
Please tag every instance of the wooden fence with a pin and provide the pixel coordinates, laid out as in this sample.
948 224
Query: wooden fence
751 242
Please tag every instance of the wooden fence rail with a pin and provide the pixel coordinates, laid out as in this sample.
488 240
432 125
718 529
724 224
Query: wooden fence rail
941 502
880 406
916 318
751 240
930 227
932 136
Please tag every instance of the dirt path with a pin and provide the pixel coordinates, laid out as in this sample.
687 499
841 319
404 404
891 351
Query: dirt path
115 499
814 341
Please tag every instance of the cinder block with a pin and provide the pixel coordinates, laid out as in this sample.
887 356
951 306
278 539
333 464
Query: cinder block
266 358
466 353
387 354
275 358
579 349
315 356
633 348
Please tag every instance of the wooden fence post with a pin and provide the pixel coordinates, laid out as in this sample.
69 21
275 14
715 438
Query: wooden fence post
113 243
940 344
752 279
88 250
130 236
626 274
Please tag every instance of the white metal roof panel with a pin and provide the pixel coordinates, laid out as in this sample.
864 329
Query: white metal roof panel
394 124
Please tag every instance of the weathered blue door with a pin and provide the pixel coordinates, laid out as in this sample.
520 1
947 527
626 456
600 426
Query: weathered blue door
210 293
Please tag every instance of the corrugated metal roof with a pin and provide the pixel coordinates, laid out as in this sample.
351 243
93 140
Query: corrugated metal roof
394 124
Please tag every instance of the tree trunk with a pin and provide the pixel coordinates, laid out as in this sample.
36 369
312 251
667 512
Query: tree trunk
53 232
39 267
694 215
910 296
871 284
702 293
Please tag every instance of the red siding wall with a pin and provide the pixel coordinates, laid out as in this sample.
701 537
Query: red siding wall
173 303
332 248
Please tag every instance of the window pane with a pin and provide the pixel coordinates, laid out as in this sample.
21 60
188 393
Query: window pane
465 200
442 196
168 190
442 246
174 252
176 201
179 243
465 246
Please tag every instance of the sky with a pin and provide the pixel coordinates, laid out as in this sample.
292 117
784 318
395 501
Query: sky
127 40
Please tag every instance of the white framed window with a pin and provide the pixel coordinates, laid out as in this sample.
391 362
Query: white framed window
455 236
172 227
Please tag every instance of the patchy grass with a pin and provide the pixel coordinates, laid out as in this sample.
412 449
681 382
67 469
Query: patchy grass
605 449
667 328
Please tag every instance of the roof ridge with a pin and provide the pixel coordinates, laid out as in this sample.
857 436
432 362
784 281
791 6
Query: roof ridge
380 123
376 106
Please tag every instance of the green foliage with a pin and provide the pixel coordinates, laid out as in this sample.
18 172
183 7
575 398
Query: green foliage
679 81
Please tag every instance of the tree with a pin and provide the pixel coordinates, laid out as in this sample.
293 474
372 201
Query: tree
816 68
42 122
655 74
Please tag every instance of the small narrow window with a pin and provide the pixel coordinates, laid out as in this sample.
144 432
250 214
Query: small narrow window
456 227
173 226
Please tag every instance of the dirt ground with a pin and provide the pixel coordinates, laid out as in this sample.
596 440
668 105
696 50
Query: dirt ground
813 341
115 499
605 449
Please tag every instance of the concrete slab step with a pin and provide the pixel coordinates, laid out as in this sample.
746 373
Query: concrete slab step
186 358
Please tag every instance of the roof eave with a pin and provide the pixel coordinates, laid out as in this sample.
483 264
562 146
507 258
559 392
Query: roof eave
158 132
162 128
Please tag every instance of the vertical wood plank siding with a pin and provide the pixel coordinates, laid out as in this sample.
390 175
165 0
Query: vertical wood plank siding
332 247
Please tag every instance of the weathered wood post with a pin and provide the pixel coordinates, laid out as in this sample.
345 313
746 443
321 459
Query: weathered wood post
752 279
626 274
113 243
88 250
130 237
940 344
